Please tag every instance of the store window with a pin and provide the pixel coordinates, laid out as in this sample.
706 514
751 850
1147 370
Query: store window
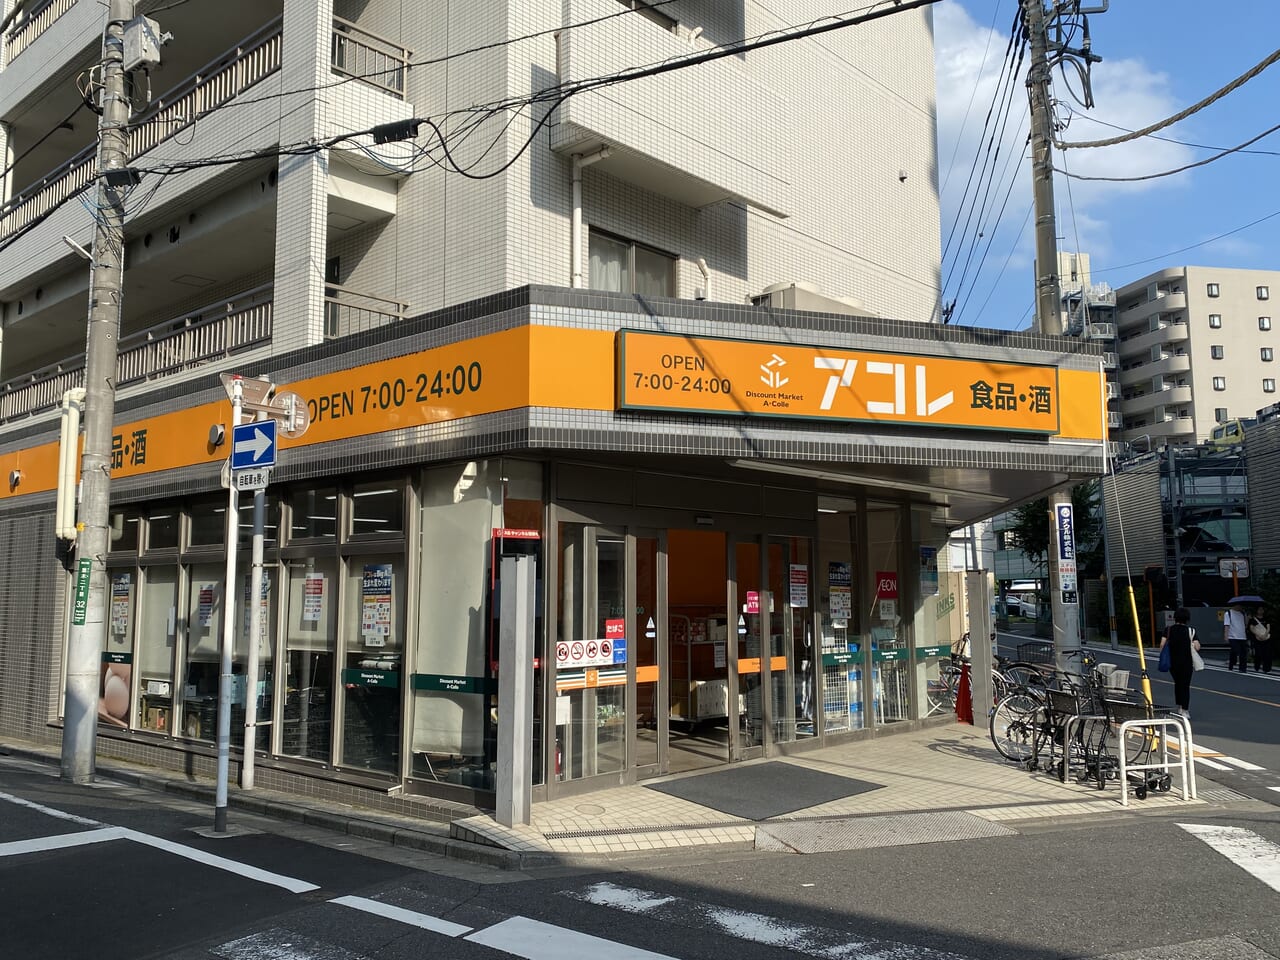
157 643
373 633
890 656
938 620
310 645
122 533
313 513
209 522
625 266
377 510
115 681
839 626
162 527
199 700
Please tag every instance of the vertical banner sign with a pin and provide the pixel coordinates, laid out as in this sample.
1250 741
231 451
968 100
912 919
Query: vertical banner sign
375 604
264 605
799 584
928 571
204 604
83 572
1066 552
840 592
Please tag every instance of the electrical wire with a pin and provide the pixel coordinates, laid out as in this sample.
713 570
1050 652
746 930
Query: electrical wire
1170 173
1181 115
1193 246
1182 143
972 95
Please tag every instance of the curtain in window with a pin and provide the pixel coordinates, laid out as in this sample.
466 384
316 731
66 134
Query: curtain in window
608 268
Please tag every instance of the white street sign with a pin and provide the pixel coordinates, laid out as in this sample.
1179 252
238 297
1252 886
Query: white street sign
255 479
1229 566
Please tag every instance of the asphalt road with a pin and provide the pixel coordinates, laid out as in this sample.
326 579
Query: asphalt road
136 882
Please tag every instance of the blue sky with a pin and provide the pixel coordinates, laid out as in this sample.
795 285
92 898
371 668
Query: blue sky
1159 57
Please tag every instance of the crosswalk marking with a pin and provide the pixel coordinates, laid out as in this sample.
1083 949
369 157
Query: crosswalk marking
1242 764
1248 851
535 940
1211 764
411 917
811 941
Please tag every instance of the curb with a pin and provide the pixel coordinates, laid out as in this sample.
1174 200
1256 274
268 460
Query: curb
398 834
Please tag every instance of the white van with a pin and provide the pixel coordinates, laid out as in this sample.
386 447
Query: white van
1021 598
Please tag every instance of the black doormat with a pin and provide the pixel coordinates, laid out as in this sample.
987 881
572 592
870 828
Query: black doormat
763 790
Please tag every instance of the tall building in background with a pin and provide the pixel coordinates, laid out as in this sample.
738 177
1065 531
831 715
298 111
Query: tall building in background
1196 349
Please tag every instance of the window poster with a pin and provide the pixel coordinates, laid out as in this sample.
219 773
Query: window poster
313 591
121 591
375 604
840 592
928 571
799 584
204 604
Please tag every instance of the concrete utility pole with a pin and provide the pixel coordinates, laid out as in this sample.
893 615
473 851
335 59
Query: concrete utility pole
1063 594
88 623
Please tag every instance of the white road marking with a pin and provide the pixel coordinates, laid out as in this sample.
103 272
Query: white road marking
1248 851
812 941
1276 789
414 919
49 811
1212 764
535 940
61 841
1242 764
123 833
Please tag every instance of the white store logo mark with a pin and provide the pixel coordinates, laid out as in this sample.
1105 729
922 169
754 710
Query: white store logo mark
774 378
898 406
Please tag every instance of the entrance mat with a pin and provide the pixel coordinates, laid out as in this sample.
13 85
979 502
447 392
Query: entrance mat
763 790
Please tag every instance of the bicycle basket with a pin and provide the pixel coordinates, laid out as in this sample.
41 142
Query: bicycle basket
1035 651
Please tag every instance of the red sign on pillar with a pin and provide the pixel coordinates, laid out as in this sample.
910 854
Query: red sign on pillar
887 584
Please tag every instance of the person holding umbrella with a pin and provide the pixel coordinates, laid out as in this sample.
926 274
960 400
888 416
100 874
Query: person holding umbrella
1260 637
1235 631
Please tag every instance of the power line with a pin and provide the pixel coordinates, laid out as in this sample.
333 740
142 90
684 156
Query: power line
1181 143
1193 246
1170 173
1181 115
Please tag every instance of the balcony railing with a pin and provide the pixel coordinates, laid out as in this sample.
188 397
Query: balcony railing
224 79
195 339
348 311
39 20
367 57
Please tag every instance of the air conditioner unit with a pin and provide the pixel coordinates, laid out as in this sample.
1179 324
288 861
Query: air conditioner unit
805 296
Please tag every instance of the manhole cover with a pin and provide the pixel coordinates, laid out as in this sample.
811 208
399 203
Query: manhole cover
589 809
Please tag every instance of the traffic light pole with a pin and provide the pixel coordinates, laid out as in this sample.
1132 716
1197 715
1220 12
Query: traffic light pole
106 284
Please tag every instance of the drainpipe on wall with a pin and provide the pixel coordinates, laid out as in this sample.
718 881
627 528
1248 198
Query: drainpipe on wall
68 455
575 224
705 292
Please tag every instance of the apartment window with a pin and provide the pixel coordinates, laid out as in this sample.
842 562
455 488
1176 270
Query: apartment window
1268 385
1215 321
1264 293
1215 351
649 13
1264 323
1211 289
1219 383
1220 414
624 266
1267 355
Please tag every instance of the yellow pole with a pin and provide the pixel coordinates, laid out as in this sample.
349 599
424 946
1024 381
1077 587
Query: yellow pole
1142 657
1235 581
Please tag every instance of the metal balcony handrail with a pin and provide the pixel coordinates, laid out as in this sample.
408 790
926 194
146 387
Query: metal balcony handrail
348 311
188 341
38 20
363 55
247 63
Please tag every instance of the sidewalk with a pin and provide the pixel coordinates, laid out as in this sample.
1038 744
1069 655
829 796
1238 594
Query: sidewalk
940 783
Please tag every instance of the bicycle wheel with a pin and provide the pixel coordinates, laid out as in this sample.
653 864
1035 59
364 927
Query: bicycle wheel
1013 726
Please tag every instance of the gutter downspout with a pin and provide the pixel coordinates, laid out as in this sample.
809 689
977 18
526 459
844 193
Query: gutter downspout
706 279
575 223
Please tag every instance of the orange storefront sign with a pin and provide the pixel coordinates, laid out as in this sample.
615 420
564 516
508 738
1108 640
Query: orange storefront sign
736 377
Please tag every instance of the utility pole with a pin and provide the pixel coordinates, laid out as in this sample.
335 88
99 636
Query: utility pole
1063 596
106 283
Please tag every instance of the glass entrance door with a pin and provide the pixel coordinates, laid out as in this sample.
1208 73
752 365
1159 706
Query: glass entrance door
647 637
751 616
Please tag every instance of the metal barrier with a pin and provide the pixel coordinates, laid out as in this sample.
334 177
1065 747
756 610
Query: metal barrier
1186 753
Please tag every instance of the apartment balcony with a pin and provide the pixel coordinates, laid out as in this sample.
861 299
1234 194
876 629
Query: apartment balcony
204 337
222 81
1114 421
1102 331
1164 335
1113 390
1149 401
1143 311
665 132
40 17
1145 371
1110 361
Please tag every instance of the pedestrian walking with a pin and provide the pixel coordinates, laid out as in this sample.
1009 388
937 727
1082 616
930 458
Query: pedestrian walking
1181 640
1260 640
1235 631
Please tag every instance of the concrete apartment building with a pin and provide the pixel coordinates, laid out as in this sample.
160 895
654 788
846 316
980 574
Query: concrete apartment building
671 338
1196 349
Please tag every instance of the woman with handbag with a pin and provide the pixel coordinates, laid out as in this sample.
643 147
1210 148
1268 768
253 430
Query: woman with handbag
1260 640
1184 649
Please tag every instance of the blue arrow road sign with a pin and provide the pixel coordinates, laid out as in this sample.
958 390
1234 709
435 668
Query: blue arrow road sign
253 445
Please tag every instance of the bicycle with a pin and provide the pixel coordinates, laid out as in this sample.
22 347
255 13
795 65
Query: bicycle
1024 722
